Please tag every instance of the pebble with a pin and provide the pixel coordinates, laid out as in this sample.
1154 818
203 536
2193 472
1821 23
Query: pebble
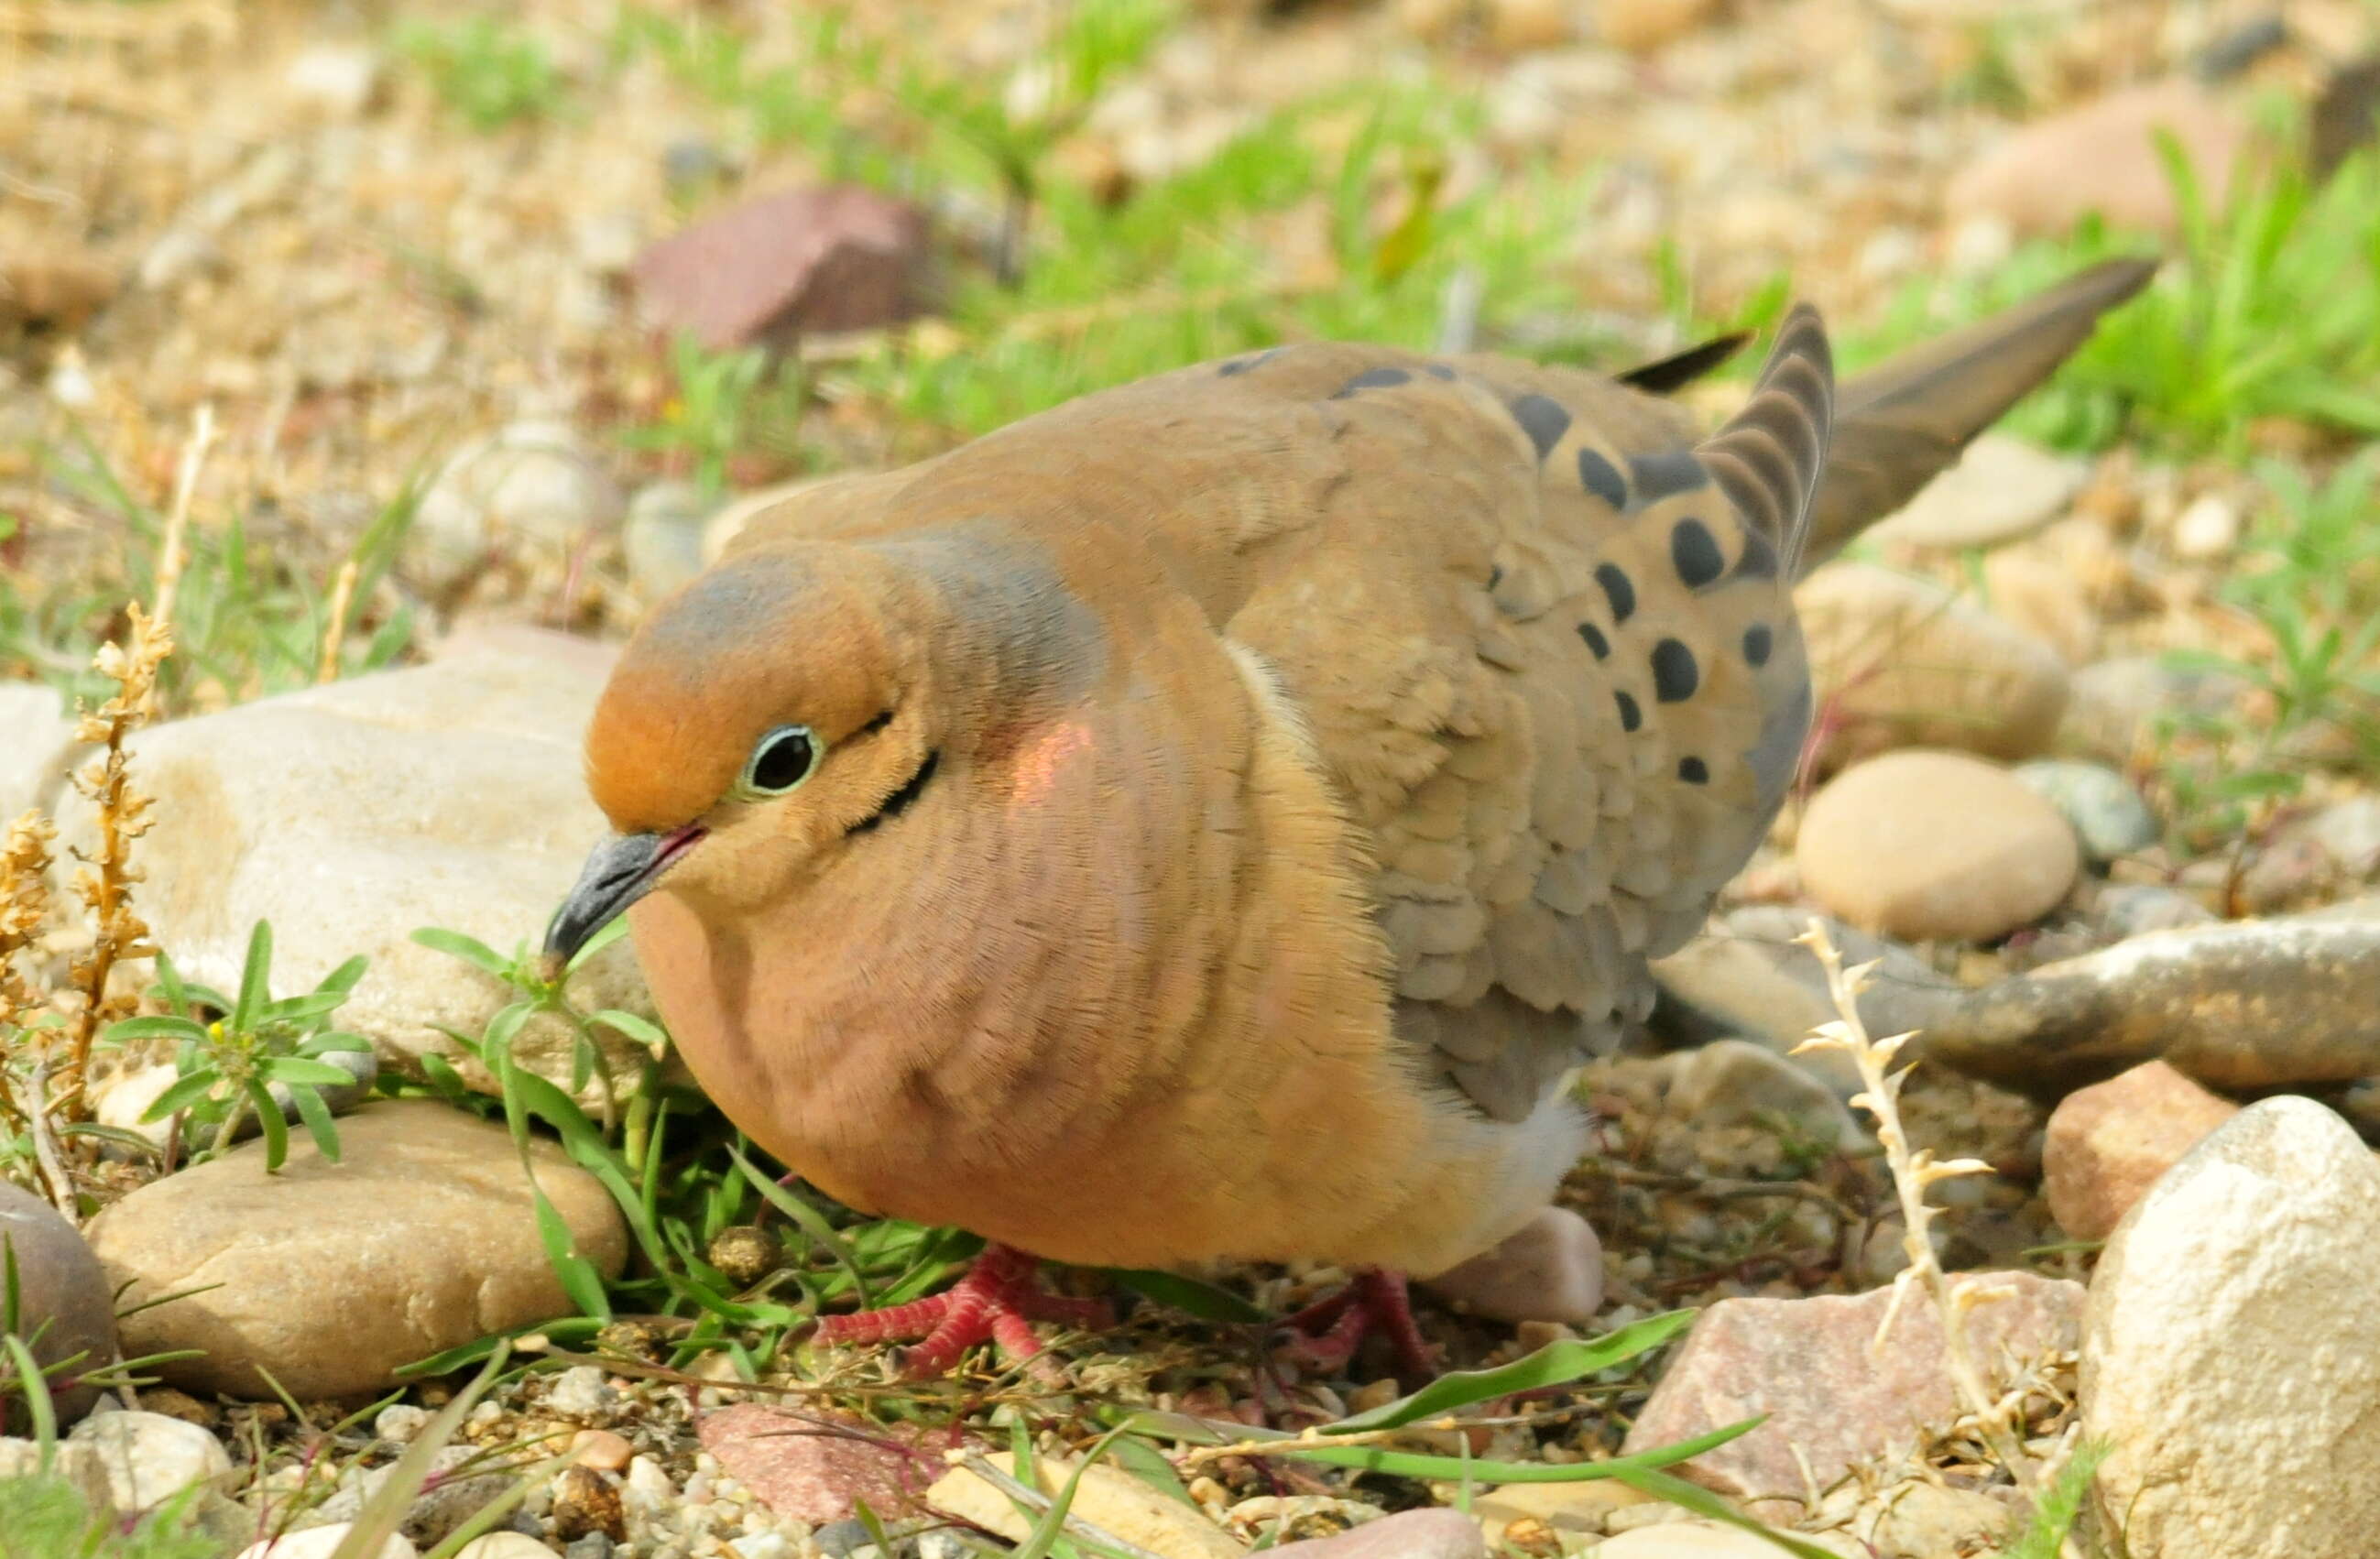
323 1542
2102 158
817 1466
586 1504
37 748
2227 1357
475 817
829 258
1706 1540
149 1457
336 79
1582 1507
505 1545
662 538
1436 1534
2207 529
1844 1396
593 1545
531 492
400 1421
1928 846
332 1276
1552 1269
2107 1144
78 1464
1922 1520
2241 1006
1736 1083
601 1449
1901 662
66 1305
2124 910
2118 704
2001 489
1517 25
580 1392
1641 27
2043 597
2107 813
1116 1502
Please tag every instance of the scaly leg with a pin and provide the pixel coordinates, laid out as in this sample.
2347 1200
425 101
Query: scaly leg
996 1301
1327 1332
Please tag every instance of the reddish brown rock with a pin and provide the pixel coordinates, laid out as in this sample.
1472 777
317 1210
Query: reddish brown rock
2107 1144
2103 157
1830 1394
816 1466
836 258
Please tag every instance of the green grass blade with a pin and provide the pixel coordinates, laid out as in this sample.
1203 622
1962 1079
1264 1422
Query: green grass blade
1557 1363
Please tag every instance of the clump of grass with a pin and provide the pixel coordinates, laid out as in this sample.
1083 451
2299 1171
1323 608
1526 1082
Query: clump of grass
723 405
487 72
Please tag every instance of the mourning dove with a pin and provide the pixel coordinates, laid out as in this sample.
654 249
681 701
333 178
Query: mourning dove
1211 819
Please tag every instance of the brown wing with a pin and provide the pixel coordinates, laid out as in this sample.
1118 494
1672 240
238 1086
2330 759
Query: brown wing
1545 643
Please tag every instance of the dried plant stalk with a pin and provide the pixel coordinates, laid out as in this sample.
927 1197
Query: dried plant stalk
24 902
104 884
1914 1174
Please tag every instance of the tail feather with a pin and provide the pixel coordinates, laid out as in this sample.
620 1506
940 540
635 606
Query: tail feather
1769 457
1901 423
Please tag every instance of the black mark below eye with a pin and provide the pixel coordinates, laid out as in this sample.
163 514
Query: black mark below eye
898 801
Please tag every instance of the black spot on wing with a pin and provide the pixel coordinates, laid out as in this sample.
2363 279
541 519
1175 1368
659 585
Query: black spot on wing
1694 772
1675 675
1757 642
1694 551
1617 590
1543 419
1630 716
1602 478
1373 378
1658 476
1594 640
1758 560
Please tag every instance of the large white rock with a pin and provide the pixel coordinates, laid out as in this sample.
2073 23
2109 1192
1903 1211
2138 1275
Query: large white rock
2232 1350
351 815
37 747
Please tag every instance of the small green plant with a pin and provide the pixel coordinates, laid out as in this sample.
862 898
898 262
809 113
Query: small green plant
230 1064
491 74
44 1516
2053 1516
725 403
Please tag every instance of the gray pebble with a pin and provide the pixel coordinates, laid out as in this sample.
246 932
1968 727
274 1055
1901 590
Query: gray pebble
2107 813
594 1545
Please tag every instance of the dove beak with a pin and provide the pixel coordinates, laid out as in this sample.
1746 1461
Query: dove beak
620 871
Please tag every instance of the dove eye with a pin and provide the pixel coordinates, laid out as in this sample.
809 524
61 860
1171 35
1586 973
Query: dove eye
781 760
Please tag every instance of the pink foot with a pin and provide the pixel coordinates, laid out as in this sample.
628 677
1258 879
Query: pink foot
1325 1334
996 1302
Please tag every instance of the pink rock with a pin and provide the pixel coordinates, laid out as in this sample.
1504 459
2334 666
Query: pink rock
2103 157
837 258
2107 1144
1829 1393
1552 1270
1436 1533
816 1466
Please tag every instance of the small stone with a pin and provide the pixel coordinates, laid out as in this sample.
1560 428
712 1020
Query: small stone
1640 27
2119 705
37 748
2001 489
662 538
841 1540
2227 1351
1935 846
1692 1539
601 1449
1550 1270
78 1464
333 1276
149 1457
1902 662
1435 1533
2108 1143
1277 1519
1117 1502
531 489
2107 813
2125 910
594 1545
745 1254
66 1305
400 1421
341 81
587 1503
323 1542
1581 1507
2103 158
835 258
1514 26
1921 1520
1843 1396
2348 832
2208 530
763 1545
815 1467
581 1392
446 1499
504 1545
2043 597
1736 1083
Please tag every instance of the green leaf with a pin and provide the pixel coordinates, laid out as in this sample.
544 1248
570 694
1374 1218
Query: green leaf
809 1219
295 1070
470 949
643 1030
132 1029
36 1387
341 980
333 1041
187 1094
1145 1462
1448 1469
1190 1296
253 975
317 1117
1646 1479
277 1129
578 1276
610 932
1557 1363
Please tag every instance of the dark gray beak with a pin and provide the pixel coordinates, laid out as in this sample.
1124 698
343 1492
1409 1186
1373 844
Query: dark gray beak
621 870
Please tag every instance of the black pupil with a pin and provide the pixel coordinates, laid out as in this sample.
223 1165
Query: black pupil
783 763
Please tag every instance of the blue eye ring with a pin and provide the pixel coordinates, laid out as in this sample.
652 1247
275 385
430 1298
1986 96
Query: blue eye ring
781 760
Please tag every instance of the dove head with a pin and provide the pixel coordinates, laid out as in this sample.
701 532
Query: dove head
783 708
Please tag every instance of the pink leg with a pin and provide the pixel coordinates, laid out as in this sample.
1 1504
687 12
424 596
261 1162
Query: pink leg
995 1302
1327 1332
